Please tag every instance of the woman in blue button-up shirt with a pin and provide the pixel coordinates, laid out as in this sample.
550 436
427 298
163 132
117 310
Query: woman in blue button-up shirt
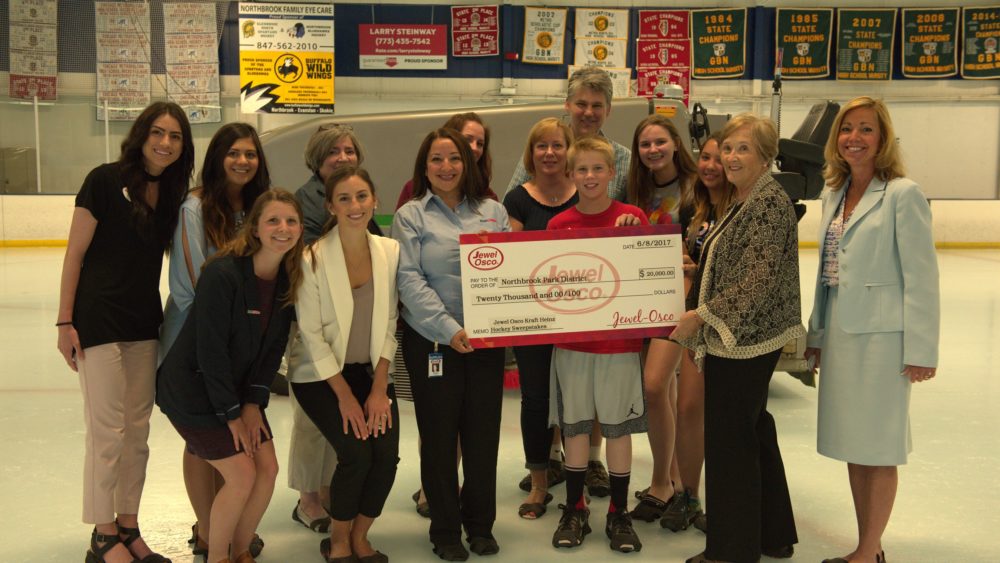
449 198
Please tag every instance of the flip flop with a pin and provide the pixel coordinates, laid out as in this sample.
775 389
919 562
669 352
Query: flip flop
534 510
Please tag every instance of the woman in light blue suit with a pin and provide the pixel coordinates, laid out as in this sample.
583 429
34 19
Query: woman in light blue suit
341 358
876 316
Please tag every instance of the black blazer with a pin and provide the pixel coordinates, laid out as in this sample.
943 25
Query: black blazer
222 359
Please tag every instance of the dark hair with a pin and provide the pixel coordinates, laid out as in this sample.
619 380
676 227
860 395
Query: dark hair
640 178
247 242
216 211
340 174
158 224
485 163
701 201
471 185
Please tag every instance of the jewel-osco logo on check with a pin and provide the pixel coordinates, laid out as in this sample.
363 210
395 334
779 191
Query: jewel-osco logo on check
575 283
485 258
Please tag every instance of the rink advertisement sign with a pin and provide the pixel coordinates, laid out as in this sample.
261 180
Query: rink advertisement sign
803 40
286 58
930 41
399 46
864 44
475 31
718 43
981 42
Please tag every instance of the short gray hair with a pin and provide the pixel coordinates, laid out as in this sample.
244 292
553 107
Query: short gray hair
592 78
323 140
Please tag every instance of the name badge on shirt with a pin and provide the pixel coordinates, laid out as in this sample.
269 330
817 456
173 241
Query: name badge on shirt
253 312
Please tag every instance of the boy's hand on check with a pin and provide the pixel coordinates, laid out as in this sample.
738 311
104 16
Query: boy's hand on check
627 220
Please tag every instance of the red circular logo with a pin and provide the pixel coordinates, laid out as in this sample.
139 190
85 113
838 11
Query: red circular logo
575 283
485 258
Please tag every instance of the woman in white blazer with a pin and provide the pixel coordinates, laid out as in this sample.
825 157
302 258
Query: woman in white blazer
340 360
876 315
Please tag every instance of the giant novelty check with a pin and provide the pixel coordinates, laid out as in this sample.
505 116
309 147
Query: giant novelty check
545 287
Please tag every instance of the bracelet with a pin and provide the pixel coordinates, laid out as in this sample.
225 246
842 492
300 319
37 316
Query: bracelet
64 323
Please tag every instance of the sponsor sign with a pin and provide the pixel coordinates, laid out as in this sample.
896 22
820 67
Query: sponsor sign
286 58
399 46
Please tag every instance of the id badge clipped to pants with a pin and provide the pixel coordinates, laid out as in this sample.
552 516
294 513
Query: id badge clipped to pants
435 363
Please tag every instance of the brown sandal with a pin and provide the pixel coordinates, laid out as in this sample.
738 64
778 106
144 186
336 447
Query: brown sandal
534 510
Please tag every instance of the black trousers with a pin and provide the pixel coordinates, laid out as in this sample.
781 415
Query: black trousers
366 469
746 492
534 366
465 404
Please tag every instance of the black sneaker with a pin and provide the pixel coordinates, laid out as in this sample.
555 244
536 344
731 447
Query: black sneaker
573 526
681 512
597 480
621 533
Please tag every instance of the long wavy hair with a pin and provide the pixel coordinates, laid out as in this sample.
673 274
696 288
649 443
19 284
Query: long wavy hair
217 212
471 185
156 224
485 163
640 178
247 243
888 161
701 202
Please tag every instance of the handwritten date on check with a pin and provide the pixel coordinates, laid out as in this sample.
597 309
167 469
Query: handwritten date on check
546 287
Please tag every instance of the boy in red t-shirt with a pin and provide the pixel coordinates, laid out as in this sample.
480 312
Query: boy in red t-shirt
599 380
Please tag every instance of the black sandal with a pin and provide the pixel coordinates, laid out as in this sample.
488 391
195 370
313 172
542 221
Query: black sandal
134 534
96 553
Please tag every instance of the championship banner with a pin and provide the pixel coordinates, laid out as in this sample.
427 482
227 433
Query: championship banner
123 49
475 31
605 53
402 46
802 41
930 42
545 287
663 24
718 43
544 36
621 80
647 79
864 44
662 53
286 58
33 49
192 53
980 37
601 24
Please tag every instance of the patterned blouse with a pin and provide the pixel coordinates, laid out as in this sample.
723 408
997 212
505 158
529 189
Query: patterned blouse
831 247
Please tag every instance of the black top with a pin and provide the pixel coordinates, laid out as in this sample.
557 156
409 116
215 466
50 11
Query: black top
530 212
118 296
696 240
224 357
691 302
